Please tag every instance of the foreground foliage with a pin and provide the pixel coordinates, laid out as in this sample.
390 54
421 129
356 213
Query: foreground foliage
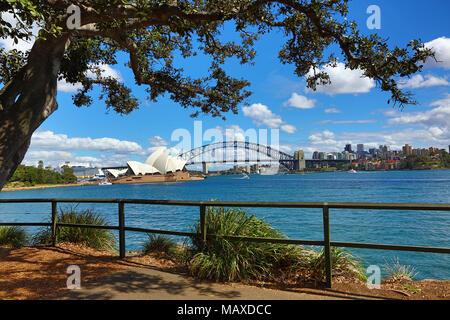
226 260
13 236
94 238
29 175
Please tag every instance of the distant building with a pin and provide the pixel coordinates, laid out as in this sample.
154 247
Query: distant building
407 150
84 172
360 149
384 149
348 148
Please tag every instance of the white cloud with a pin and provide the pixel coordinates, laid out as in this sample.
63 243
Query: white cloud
344 81
64 86
48 140
347 121
263 116
419 81
437 119
288 128
157 141
300 102
332 110
441 47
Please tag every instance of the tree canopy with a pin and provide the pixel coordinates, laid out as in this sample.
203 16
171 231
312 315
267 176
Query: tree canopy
30 175
152 33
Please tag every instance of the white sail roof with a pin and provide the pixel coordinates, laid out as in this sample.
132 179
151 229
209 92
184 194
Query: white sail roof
152 158
164 163
141 168
115 173
161 161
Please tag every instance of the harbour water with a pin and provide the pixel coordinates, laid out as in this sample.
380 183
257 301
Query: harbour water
389 227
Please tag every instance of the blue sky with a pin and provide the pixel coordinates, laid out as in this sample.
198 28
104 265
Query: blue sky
351 110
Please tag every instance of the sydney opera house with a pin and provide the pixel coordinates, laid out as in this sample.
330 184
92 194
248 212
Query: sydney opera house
159 167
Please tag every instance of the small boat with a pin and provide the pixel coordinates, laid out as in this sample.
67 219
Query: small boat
105 183
245 176
352 171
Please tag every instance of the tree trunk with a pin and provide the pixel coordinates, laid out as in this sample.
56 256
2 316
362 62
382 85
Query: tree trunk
27 100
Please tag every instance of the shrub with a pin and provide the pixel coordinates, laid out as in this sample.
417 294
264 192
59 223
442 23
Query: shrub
159 243
13 236
342 262
180 252
227 260
94 238
399 272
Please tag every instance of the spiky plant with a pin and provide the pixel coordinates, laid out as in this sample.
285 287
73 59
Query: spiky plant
91 237
13 236
398 272
221 259
159 243
342 262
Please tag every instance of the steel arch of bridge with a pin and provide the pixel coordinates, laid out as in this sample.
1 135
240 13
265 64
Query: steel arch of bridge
253 151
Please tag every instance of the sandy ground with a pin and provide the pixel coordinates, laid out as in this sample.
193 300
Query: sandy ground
41 273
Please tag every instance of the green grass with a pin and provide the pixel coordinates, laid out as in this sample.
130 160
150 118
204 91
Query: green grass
13 236
95 238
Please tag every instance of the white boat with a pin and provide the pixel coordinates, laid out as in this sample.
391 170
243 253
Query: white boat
105 183
245 176
352 171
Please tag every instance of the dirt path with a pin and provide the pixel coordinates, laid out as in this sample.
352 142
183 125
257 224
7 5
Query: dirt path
150 284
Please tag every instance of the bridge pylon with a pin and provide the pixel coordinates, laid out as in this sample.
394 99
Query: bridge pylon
205 168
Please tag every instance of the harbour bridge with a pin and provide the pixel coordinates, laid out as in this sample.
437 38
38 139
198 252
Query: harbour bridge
227 152
236 152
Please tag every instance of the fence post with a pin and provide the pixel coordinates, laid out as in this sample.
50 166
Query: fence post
121 230
203 223
54 221
327 247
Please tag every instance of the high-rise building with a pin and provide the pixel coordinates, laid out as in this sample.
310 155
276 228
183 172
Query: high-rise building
360 148
407 150
348 148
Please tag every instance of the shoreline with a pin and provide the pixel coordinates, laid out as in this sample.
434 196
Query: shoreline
44 186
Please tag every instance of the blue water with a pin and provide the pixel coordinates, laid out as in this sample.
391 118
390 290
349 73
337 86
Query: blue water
370 226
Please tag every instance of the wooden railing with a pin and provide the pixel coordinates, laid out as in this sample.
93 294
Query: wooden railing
325 206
